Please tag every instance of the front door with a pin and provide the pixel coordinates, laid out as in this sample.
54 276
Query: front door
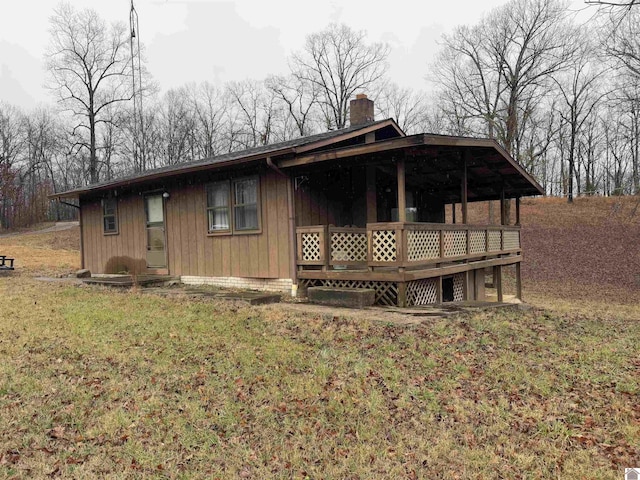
156 244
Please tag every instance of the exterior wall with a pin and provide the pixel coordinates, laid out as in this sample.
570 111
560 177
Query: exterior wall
325 198
116 252
190 250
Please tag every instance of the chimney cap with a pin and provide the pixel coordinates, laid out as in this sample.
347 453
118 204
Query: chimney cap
360 96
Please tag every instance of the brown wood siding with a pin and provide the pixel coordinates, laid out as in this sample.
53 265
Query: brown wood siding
114 253
190 250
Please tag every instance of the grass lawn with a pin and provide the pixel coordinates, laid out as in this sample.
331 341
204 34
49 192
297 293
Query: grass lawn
97 383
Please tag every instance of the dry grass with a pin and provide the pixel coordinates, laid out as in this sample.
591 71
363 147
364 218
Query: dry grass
47 253
96 383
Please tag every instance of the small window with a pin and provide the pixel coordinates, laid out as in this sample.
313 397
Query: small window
233 206
218 207
110 215
245 199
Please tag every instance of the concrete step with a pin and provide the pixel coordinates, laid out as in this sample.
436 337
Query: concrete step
342 297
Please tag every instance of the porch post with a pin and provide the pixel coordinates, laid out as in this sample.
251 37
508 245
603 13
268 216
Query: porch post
518 282
503 213
372 207
402 198
497 280
517 210
453 212
464 186
293 257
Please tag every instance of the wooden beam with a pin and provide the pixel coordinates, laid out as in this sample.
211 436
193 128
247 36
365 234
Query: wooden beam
497 280
518 282
453 212
389 275
402 194
372 206
402 294
465 159
355 133
503 215
369 148
518 210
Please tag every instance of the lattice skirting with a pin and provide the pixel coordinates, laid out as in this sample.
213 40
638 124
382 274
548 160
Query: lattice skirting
386 292
422 292
419 292
458 287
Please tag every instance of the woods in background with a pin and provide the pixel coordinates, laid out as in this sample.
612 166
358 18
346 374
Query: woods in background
562 97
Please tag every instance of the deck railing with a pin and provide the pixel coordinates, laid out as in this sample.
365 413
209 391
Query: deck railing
326 245
398 244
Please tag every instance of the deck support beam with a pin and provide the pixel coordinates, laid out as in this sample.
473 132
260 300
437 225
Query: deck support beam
402 294
497 280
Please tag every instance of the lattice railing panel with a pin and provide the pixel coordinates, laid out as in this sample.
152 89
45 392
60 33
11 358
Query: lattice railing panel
511 239
386 292
477 241
311 246
422 292
384 246
423 245
348 247
455 243
458 287
494 240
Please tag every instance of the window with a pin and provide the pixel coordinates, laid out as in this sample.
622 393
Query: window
232 205
245 208
110 215
218 206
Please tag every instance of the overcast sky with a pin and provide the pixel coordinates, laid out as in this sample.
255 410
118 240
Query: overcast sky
197 40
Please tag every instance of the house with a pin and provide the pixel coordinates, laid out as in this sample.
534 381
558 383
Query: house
359 207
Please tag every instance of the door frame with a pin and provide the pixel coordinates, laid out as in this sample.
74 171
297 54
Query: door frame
154 193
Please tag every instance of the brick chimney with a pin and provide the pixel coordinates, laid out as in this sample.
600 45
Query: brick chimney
361 110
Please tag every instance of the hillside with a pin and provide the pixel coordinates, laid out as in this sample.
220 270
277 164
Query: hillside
586 250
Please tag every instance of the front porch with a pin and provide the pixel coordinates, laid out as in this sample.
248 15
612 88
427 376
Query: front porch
409 264
377 216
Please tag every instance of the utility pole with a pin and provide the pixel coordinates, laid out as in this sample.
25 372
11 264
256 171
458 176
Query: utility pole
136 71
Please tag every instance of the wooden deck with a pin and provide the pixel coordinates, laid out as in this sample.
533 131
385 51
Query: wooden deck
407 262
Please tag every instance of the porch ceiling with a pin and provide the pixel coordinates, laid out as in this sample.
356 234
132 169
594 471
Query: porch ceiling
440 169
436 163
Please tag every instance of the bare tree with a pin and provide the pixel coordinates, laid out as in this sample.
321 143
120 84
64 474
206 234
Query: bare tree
495 76
407 107
621 41
257 112
89 69
581 91
338 62
12 143
300 100
209 105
